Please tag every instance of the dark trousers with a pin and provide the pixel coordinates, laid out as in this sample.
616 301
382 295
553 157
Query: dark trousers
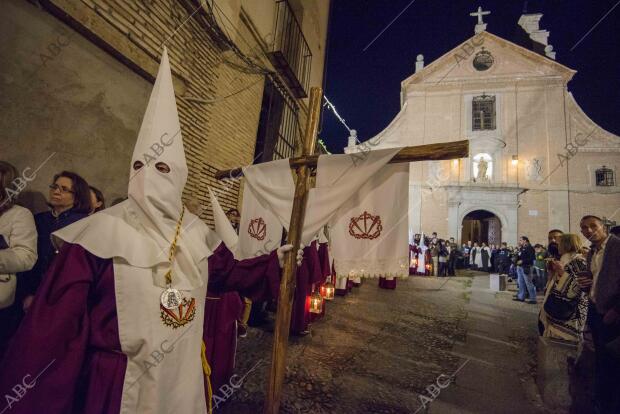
607 366
443 269
451 265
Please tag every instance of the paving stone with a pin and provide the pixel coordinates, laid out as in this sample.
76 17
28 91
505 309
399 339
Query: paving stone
377 351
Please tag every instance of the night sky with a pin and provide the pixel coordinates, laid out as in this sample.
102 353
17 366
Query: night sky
365 85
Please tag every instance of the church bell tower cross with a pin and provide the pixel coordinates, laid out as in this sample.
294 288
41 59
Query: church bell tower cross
481 26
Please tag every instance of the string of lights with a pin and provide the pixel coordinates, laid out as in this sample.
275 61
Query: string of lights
331 106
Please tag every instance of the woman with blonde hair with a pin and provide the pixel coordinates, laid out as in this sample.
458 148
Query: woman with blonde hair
565 307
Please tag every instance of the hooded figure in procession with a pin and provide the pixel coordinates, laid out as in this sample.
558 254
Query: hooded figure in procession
117 323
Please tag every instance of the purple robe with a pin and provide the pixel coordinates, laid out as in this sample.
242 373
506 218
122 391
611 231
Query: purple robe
325 272
220 335
224 305
308 273
70 337
387 284
325 261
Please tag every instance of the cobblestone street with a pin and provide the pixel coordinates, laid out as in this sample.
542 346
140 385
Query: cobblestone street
377 351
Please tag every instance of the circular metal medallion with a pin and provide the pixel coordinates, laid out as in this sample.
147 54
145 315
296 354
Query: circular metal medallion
170 298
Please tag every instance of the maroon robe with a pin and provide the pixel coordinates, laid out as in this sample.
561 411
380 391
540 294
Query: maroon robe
308 274
220 335
69 337
224 307
325 261
387 284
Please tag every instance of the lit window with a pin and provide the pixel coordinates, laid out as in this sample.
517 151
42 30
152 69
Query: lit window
483 113
604 177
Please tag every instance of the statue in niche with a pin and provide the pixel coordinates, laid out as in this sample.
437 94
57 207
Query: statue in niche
483 165
482 168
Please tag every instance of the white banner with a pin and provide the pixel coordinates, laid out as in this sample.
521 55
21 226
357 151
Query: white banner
223 228
260 231
369 233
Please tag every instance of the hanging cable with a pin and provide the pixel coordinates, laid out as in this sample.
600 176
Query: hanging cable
222 34
216 100
247 65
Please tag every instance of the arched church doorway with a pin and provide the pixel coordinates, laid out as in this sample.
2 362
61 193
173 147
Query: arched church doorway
481 226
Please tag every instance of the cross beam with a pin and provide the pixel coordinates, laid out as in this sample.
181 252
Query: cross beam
426 152
302 166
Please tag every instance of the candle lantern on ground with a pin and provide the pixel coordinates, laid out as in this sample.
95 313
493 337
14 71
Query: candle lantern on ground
316 302
328 290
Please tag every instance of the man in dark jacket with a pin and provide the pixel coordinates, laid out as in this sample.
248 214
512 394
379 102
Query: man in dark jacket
603 283
452 256
503 260
525 260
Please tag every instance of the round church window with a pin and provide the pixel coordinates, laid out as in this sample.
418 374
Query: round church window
483 60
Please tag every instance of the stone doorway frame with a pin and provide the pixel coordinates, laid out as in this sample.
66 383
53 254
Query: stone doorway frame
502 221
501 201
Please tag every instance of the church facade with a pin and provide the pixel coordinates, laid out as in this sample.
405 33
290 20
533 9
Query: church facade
536 162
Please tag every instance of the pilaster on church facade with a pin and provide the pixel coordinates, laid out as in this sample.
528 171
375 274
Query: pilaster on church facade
534 154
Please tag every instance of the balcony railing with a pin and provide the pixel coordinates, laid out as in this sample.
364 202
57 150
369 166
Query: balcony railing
291 54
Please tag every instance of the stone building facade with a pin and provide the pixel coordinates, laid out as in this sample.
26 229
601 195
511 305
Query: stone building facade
536 162
76 76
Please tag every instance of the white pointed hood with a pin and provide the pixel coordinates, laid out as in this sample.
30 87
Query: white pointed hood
141 229
223 228
158 194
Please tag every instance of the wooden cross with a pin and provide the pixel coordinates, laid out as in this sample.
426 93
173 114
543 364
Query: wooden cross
302 166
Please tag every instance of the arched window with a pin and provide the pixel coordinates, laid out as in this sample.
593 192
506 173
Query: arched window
483 113
482 170
605 177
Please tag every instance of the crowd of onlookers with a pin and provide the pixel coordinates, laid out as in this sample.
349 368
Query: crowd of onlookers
433 256
580 285
581 302
26 246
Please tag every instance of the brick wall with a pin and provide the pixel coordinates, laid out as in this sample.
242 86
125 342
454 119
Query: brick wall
218 103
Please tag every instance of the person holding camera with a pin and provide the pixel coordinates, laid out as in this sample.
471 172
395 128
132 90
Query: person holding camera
602 281
565 307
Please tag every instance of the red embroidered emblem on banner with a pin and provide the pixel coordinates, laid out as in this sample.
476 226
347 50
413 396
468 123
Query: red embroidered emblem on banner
184 314
257 228
365 226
